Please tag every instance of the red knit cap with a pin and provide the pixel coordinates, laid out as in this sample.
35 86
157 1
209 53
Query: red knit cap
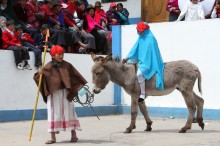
141 26
55 50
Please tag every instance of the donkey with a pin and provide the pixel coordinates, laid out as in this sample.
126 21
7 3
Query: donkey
180 75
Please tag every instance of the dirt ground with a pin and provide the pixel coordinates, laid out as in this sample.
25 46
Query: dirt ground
108 131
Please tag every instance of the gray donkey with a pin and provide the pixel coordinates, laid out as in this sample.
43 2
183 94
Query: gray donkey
180 75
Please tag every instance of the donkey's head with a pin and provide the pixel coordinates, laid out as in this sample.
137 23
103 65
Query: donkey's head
100 76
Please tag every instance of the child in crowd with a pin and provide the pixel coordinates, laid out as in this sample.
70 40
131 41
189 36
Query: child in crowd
216 10
192 11
40 38
28 42
11 42
61 82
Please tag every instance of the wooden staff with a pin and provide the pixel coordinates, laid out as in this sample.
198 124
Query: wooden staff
39 84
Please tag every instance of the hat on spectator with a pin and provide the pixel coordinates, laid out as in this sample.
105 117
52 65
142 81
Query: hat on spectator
113 5
43 27
98 4
55 50
142 26
90 6
57 3
18 26
2 18
10 22
64 6
49 1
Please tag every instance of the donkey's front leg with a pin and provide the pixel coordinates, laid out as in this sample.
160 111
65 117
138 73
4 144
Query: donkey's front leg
134 111
144 111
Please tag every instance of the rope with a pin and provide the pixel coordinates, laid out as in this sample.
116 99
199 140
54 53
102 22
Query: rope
89 98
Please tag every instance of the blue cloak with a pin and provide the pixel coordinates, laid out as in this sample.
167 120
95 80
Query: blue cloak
147 54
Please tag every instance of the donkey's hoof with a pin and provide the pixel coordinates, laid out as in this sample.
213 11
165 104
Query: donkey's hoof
128 130
182 131
202 125
148 129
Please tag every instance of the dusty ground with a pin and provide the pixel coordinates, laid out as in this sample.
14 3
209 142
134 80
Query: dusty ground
108 131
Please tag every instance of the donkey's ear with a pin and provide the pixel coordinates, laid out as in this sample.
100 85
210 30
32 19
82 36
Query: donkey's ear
109 57
106 59
93 56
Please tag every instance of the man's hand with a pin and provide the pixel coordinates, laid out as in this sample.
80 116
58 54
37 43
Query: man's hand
124 60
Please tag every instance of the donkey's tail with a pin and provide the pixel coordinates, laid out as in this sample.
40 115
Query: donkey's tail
199 81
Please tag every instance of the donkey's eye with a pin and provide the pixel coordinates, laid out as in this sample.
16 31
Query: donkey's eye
97 73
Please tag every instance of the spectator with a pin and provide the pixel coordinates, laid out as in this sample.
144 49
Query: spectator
41 37
173 9
11 42
6 10
100 15
123 13
72 36
72 5
20 11
112 16
60 84
2 28
28 42
216 10
3 21
91 26
192 11
87 38
47 8
35 15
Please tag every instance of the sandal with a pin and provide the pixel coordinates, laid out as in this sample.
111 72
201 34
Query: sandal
50 142
74 139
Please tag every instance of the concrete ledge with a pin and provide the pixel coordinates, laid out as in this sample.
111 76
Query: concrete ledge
41 114
164 112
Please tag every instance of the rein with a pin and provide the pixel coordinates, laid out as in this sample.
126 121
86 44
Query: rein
89 99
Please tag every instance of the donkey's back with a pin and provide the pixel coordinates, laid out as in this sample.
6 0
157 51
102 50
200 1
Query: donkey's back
179 75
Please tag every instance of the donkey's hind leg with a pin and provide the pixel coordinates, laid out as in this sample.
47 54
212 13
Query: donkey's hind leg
144 111
188 97
134 111
199 103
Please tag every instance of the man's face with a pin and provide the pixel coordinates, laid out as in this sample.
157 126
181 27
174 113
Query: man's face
194 1
23 2
58 57
119 8
19 31
91 12
44 32
113 8
11 27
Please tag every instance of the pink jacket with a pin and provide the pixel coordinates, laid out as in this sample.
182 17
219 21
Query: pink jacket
91 24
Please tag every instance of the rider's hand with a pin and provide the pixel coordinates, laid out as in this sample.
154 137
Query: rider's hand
124 60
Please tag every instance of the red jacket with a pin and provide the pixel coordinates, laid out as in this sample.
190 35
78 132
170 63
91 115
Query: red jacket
28 38
71 7
172 4
9 40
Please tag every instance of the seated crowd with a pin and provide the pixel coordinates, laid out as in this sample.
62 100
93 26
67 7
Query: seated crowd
73 24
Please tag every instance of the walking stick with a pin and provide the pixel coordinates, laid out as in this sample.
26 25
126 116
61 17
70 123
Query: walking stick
39 84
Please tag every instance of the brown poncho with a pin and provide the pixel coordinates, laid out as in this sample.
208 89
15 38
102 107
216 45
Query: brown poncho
54 79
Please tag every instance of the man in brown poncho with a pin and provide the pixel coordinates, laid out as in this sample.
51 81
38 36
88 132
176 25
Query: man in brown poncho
60 84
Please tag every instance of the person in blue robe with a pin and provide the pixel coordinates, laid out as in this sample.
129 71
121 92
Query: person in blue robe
146 54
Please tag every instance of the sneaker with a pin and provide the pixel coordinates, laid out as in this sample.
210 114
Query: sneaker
19 66
27 67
